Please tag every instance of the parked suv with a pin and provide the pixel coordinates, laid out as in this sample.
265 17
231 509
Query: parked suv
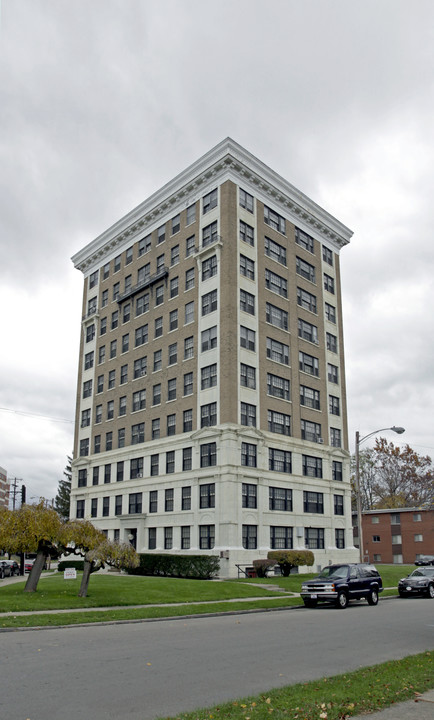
340 583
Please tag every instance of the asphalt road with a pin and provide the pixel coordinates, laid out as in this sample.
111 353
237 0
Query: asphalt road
146 670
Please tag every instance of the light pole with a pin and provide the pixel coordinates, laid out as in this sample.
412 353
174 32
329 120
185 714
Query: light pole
359 441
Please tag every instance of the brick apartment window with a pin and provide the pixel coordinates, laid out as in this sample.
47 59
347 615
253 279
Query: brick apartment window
209 267
327 255
280 537
187 421
189 279
274 220
278 387
279 422
280 499
209 302
329 283
174 287
209 338
305 270
106 271
103 326
334 405
247 302
275 251
144 245
124 374
206 537
173 354
158 361
314 538
249 495
208 376
161 234
90 333
109 441
208 415
376 539
171 425
248 454
142 304
101 355
187 461
173 320
85 418
186 498
171 389
189 348
247 376
331 342
140 367
121 437
158 327
395 519
308 364
275 283
313 502
139 400
87 388
304 240
310 430
417 517
209 201
84 447
176 224
250 537
247 233
276 316
188 383
189 312
246 200
418 538
332 373
312 466
306 300
97 444
190 246
95 475
247 338
307 331
279 460
396 539
330 312
191 214
335 437
309 397
137 433
156 428
209 234
247 267
88 360
248 414
113 349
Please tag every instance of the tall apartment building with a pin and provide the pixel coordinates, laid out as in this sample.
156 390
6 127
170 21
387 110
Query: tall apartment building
4 488
211 405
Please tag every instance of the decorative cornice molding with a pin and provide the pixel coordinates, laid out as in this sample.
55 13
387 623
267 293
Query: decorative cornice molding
228 160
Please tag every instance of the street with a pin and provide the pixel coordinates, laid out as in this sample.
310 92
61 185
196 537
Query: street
145 670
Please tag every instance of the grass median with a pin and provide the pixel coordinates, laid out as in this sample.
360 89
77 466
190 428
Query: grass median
334 698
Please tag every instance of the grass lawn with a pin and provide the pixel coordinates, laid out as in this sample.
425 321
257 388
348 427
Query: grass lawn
334 698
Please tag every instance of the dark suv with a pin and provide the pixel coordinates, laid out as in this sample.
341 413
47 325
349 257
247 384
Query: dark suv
340 583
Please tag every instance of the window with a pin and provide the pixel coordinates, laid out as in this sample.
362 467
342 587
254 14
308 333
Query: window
306 300
156 394
280 538
128 281
209 234
191 214
158 360
376 538
277 351
279 460
113 349
279 423
119 471
187 462
95 476
208 339
275 251
248 415
396 539
142 304
153 501
139 400
189 347
247 338
209 201
186 498
327 255
140 367
274 220
124 374
208 455
109 441
276 283
134 503
94 507
314 538
123 405
87 388
185 537
206 537
110 410
312 466
85 418
101 355
126 312
82 478
98 414
276 316
418 538
209 267
304 240
207 495
189 312
309 397
190 246
170 465
88 360
247 376
137 433
103 326
338 504
174 287
335 437
144 273
332 373
155 465
90 333
337 470
246 200
152 538
158 327
168 500
329 284
176 224
209 302
171 424
313 502
280 499
248 456
395 519
249 495
106 271
160 263
173 320
247 302
250 537
305 269
116 291
97 444
187 421
171 389
308 332
156 428
93 279
208 415
310 430
331 342
168 538
247 233
278 387
105 506
340 540
188 383
247 267
417 517
121 437
330 312
173 353
159 295
161 234
125 342
189 279
334 406
308 364
117 263
208 376
79 513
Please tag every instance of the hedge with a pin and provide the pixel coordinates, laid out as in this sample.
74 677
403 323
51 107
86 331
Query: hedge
77 564
198 567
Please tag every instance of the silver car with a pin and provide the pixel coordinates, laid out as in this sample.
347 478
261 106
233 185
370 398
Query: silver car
419 582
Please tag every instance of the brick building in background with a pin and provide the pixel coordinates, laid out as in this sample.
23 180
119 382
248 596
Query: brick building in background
400 535
211 403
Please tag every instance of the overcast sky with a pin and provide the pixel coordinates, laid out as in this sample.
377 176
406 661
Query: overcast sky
103 101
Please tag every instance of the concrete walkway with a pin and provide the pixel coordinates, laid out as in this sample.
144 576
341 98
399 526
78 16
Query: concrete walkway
422 709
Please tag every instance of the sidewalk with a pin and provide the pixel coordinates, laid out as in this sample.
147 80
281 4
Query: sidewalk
423 709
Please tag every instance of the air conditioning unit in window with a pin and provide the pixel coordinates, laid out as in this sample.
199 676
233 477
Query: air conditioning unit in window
139 475
320 441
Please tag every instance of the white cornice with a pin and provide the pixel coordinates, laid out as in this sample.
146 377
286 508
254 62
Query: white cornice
227 160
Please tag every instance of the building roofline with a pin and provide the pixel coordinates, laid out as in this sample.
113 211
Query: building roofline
227 160
396 511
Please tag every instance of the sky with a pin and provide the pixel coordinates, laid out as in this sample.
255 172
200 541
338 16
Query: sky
104 101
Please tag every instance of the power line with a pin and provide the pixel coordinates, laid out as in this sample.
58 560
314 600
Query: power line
30 414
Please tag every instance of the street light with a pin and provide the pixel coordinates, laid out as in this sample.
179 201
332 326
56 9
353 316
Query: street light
359 441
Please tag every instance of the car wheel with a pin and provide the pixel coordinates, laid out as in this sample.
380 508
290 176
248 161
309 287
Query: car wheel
372 597
431 591
342 600
402 594
310 603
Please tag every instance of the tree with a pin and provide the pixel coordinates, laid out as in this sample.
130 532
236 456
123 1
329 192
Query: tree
393 477
288 559
63 498
32 528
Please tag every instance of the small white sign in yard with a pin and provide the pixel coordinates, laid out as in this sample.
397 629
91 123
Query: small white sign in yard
69 574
